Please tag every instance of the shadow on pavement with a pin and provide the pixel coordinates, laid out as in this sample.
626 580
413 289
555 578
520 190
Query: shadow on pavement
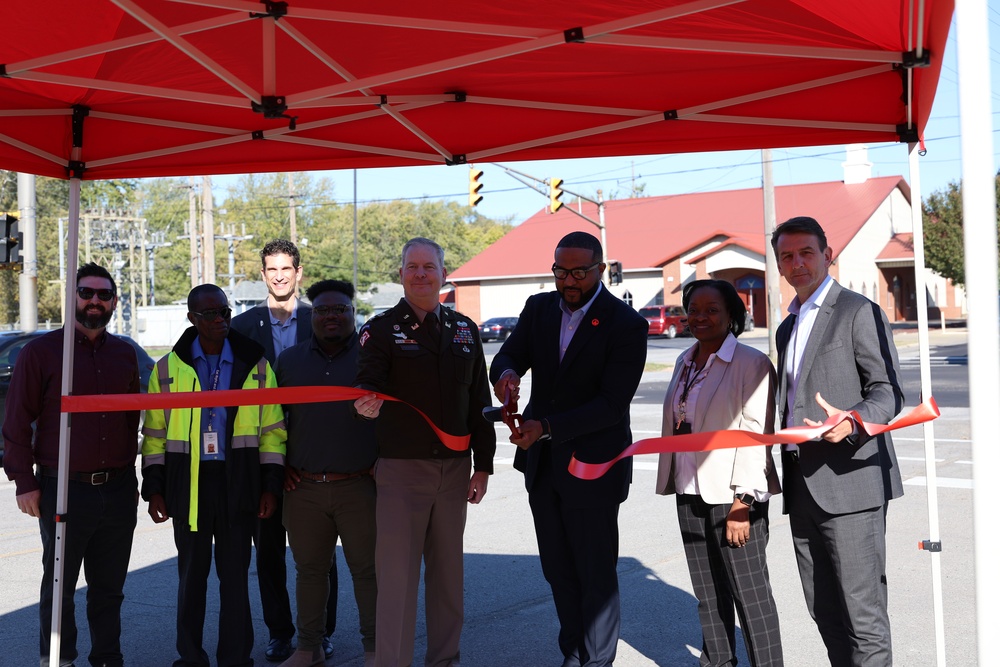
510 620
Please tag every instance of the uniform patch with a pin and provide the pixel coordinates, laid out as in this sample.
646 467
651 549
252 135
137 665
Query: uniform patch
364 338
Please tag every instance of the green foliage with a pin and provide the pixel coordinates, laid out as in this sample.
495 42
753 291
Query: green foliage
943 231
257 206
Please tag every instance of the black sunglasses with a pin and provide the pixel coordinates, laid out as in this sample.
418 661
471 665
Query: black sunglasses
338 309
87 293
214 314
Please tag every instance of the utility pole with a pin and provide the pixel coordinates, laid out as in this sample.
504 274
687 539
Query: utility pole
28 280
231 238
208 227
771 279
292 233
193 233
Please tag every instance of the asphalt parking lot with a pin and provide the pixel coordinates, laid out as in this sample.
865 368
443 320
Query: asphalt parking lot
510 619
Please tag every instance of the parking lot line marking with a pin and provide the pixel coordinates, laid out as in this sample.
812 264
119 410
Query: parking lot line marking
942 482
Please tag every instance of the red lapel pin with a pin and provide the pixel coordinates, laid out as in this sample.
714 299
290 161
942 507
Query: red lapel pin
594 322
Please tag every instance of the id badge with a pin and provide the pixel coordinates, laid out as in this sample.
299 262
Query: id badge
210 443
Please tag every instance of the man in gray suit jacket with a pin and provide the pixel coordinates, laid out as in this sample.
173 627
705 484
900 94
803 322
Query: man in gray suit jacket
835 352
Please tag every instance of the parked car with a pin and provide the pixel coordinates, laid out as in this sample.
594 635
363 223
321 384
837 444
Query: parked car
11 343
497 328
666 321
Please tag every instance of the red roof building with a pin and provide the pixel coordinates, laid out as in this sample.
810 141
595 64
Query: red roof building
665 242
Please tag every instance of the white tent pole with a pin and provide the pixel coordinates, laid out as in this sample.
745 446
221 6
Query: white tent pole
980 225
62 480
933 543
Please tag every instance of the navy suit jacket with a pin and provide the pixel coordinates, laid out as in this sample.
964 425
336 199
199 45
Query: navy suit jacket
585 398
256 325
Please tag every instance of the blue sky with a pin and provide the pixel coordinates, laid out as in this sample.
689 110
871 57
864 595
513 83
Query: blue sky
504 197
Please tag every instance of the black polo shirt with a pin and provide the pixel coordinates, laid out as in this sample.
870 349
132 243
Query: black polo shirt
325 437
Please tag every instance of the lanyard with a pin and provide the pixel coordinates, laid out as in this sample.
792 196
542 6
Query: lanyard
214 386
688 383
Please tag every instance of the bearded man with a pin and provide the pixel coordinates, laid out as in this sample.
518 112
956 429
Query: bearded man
102 489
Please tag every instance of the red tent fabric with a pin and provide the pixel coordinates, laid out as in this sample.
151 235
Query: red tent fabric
170 87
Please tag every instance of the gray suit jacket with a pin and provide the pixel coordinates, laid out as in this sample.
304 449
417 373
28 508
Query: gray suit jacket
850 358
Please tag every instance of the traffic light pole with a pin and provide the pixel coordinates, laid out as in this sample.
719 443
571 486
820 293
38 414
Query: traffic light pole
548 184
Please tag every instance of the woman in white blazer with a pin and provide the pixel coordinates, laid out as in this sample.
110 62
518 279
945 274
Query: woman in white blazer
722 495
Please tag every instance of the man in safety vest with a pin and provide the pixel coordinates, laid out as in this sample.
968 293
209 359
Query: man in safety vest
215 470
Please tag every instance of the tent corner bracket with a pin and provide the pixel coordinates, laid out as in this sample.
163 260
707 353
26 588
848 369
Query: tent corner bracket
274 10
573 35
456 159
907 134
913 61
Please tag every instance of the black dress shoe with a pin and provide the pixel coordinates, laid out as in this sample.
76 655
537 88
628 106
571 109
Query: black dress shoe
328 647
278 650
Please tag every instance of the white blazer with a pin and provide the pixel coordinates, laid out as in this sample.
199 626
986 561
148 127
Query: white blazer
737 394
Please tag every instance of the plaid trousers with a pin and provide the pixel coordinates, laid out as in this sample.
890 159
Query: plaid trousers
727 578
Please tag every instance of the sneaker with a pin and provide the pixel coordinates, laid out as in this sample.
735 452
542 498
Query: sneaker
328 647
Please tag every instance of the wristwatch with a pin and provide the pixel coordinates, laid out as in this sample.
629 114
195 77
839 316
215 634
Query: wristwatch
746 498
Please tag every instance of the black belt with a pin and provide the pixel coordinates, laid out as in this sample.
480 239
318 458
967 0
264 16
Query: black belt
332 476
93 478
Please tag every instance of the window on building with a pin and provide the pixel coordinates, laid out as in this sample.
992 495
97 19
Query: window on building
627 297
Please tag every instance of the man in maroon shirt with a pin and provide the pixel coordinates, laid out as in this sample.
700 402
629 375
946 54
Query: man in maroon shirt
103 492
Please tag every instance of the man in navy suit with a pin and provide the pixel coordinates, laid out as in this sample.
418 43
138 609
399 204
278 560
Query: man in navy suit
586 350
279 323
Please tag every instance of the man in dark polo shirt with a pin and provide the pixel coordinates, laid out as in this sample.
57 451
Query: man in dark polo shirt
329 488
102 450
431 357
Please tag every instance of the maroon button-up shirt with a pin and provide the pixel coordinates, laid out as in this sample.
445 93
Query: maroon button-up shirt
98 440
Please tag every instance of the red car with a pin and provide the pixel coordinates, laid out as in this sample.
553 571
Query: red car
666 321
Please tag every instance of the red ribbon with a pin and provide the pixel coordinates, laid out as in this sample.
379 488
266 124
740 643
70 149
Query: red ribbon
711 440
237 397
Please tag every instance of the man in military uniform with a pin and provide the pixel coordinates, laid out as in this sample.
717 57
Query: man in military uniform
431 357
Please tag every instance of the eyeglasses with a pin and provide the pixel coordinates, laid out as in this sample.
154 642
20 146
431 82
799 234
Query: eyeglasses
325 311
87 293
214 314
578 274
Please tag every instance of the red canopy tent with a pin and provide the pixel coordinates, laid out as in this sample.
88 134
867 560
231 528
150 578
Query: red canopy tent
138 88
183 87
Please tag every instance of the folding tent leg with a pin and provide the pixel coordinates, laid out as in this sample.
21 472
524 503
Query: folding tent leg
72 259
933 522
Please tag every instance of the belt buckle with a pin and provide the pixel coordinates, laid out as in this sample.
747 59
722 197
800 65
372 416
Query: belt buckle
98 478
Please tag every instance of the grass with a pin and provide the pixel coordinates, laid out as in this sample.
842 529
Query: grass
653 367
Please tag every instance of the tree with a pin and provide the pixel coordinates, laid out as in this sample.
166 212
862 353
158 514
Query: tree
944 233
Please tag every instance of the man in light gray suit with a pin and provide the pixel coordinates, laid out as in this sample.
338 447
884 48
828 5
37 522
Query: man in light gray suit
835 352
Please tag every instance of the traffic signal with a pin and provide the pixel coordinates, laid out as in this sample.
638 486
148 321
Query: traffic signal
614 273
555 192
475 186
10 244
